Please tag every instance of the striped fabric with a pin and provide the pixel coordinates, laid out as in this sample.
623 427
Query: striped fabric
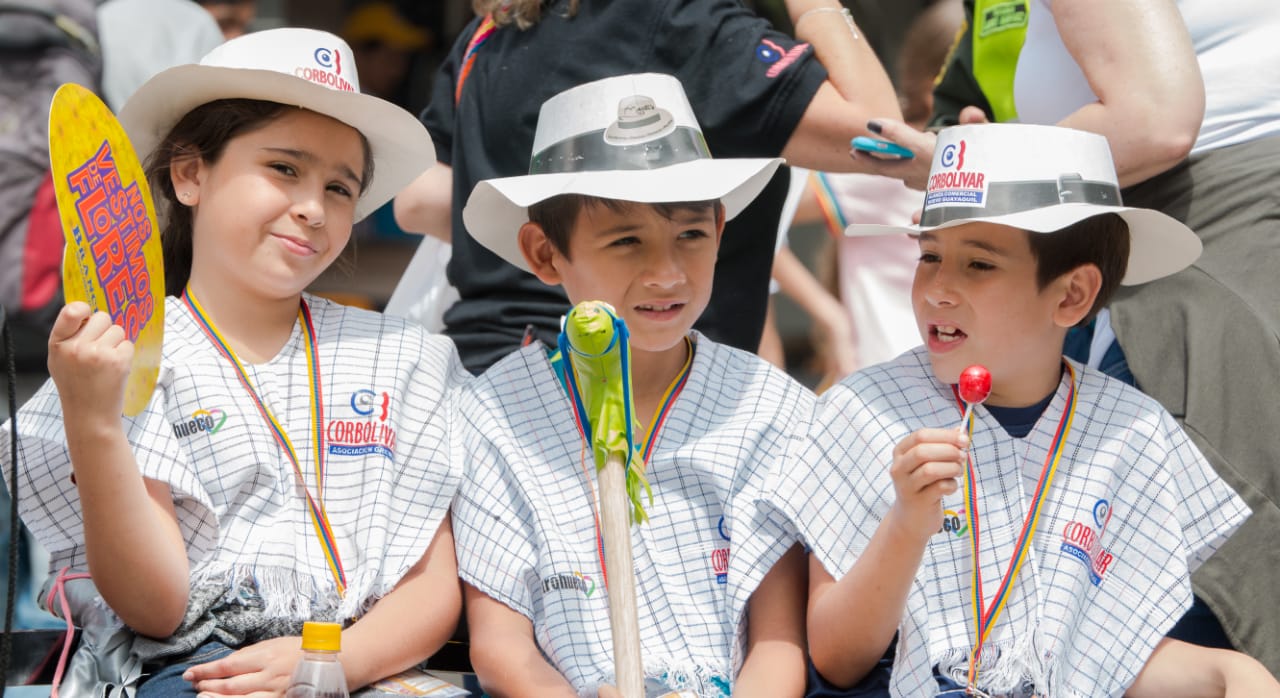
1133 510
525 534
241 509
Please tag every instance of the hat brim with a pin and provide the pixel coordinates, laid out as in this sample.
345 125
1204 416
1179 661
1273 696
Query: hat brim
498 207
1159 245
400 145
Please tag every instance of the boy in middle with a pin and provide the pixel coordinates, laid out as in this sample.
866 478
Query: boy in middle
624 204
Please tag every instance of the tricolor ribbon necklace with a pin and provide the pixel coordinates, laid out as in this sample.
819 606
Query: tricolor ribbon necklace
650 438
985 619
668 399
320 520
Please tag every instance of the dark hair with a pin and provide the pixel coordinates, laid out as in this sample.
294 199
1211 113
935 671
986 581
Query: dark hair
204 133
1102 241
524 13
557 215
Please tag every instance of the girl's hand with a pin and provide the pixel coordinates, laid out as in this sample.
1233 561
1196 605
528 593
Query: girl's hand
89 360
925 467
262 669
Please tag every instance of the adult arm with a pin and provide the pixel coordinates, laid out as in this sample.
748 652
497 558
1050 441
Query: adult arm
504 654
1150 95
1150 92
135 551
857 89
775 659
426 205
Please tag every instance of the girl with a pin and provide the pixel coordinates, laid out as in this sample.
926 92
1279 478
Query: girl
292 463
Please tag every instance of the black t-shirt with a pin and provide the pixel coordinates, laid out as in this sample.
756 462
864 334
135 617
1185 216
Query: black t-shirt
748 85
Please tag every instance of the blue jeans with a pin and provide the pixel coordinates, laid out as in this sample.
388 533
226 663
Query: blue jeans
167 681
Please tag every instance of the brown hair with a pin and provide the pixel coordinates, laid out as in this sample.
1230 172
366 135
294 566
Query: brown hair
1102 241
204 133
557 215
525 13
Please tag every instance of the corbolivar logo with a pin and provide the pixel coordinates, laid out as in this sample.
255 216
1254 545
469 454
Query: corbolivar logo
1081 541
329 73
720 556
562 582
955 186
359 437
201 421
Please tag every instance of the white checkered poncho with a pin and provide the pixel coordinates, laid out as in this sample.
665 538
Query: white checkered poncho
387 387
526 535
1090 604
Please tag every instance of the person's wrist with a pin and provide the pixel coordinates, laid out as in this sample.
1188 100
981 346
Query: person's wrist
829 12
904 527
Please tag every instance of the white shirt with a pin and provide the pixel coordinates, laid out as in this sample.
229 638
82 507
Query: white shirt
241 510
526 533
1134 508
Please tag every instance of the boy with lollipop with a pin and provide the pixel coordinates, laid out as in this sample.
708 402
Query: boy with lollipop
1046 546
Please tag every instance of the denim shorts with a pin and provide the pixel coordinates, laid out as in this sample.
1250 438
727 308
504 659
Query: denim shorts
167 681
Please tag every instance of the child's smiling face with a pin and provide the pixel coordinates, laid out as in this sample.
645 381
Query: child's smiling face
276 208
977 301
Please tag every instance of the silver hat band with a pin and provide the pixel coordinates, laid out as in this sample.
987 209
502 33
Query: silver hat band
588 152
1003 198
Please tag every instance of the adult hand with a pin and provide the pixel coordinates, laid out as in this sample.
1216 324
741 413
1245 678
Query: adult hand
925 467
973 115
913 171
259 670
89 360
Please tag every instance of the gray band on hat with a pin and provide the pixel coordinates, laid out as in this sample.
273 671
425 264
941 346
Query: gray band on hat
1014 197
588 152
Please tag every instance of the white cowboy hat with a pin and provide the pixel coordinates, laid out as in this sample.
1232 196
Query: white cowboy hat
299 67
1040 179
573 155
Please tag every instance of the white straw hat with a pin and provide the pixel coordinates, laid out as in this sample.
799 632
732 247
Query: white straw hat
298 67
1041 179
629 138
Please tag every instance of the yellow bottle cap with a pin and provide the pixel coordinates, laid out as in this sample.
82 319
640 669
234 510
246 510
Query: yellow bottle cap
323 637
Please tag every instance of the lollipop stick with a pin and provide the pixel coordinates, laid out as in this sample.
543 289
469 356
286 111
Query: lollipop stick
968 411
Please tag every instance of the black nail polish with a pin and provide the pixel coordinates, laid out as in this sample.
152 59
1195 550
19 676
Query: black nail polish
874 127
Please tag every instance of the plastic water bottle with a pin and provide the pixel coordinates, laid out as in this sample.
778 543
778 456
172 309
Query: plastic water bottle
319 674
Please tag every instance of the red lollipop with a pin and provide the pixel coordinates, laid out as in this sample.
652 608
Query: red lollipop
975 384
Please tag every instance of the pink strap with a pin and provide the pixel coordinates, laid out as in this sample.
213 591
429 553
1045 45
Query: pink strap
59 589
